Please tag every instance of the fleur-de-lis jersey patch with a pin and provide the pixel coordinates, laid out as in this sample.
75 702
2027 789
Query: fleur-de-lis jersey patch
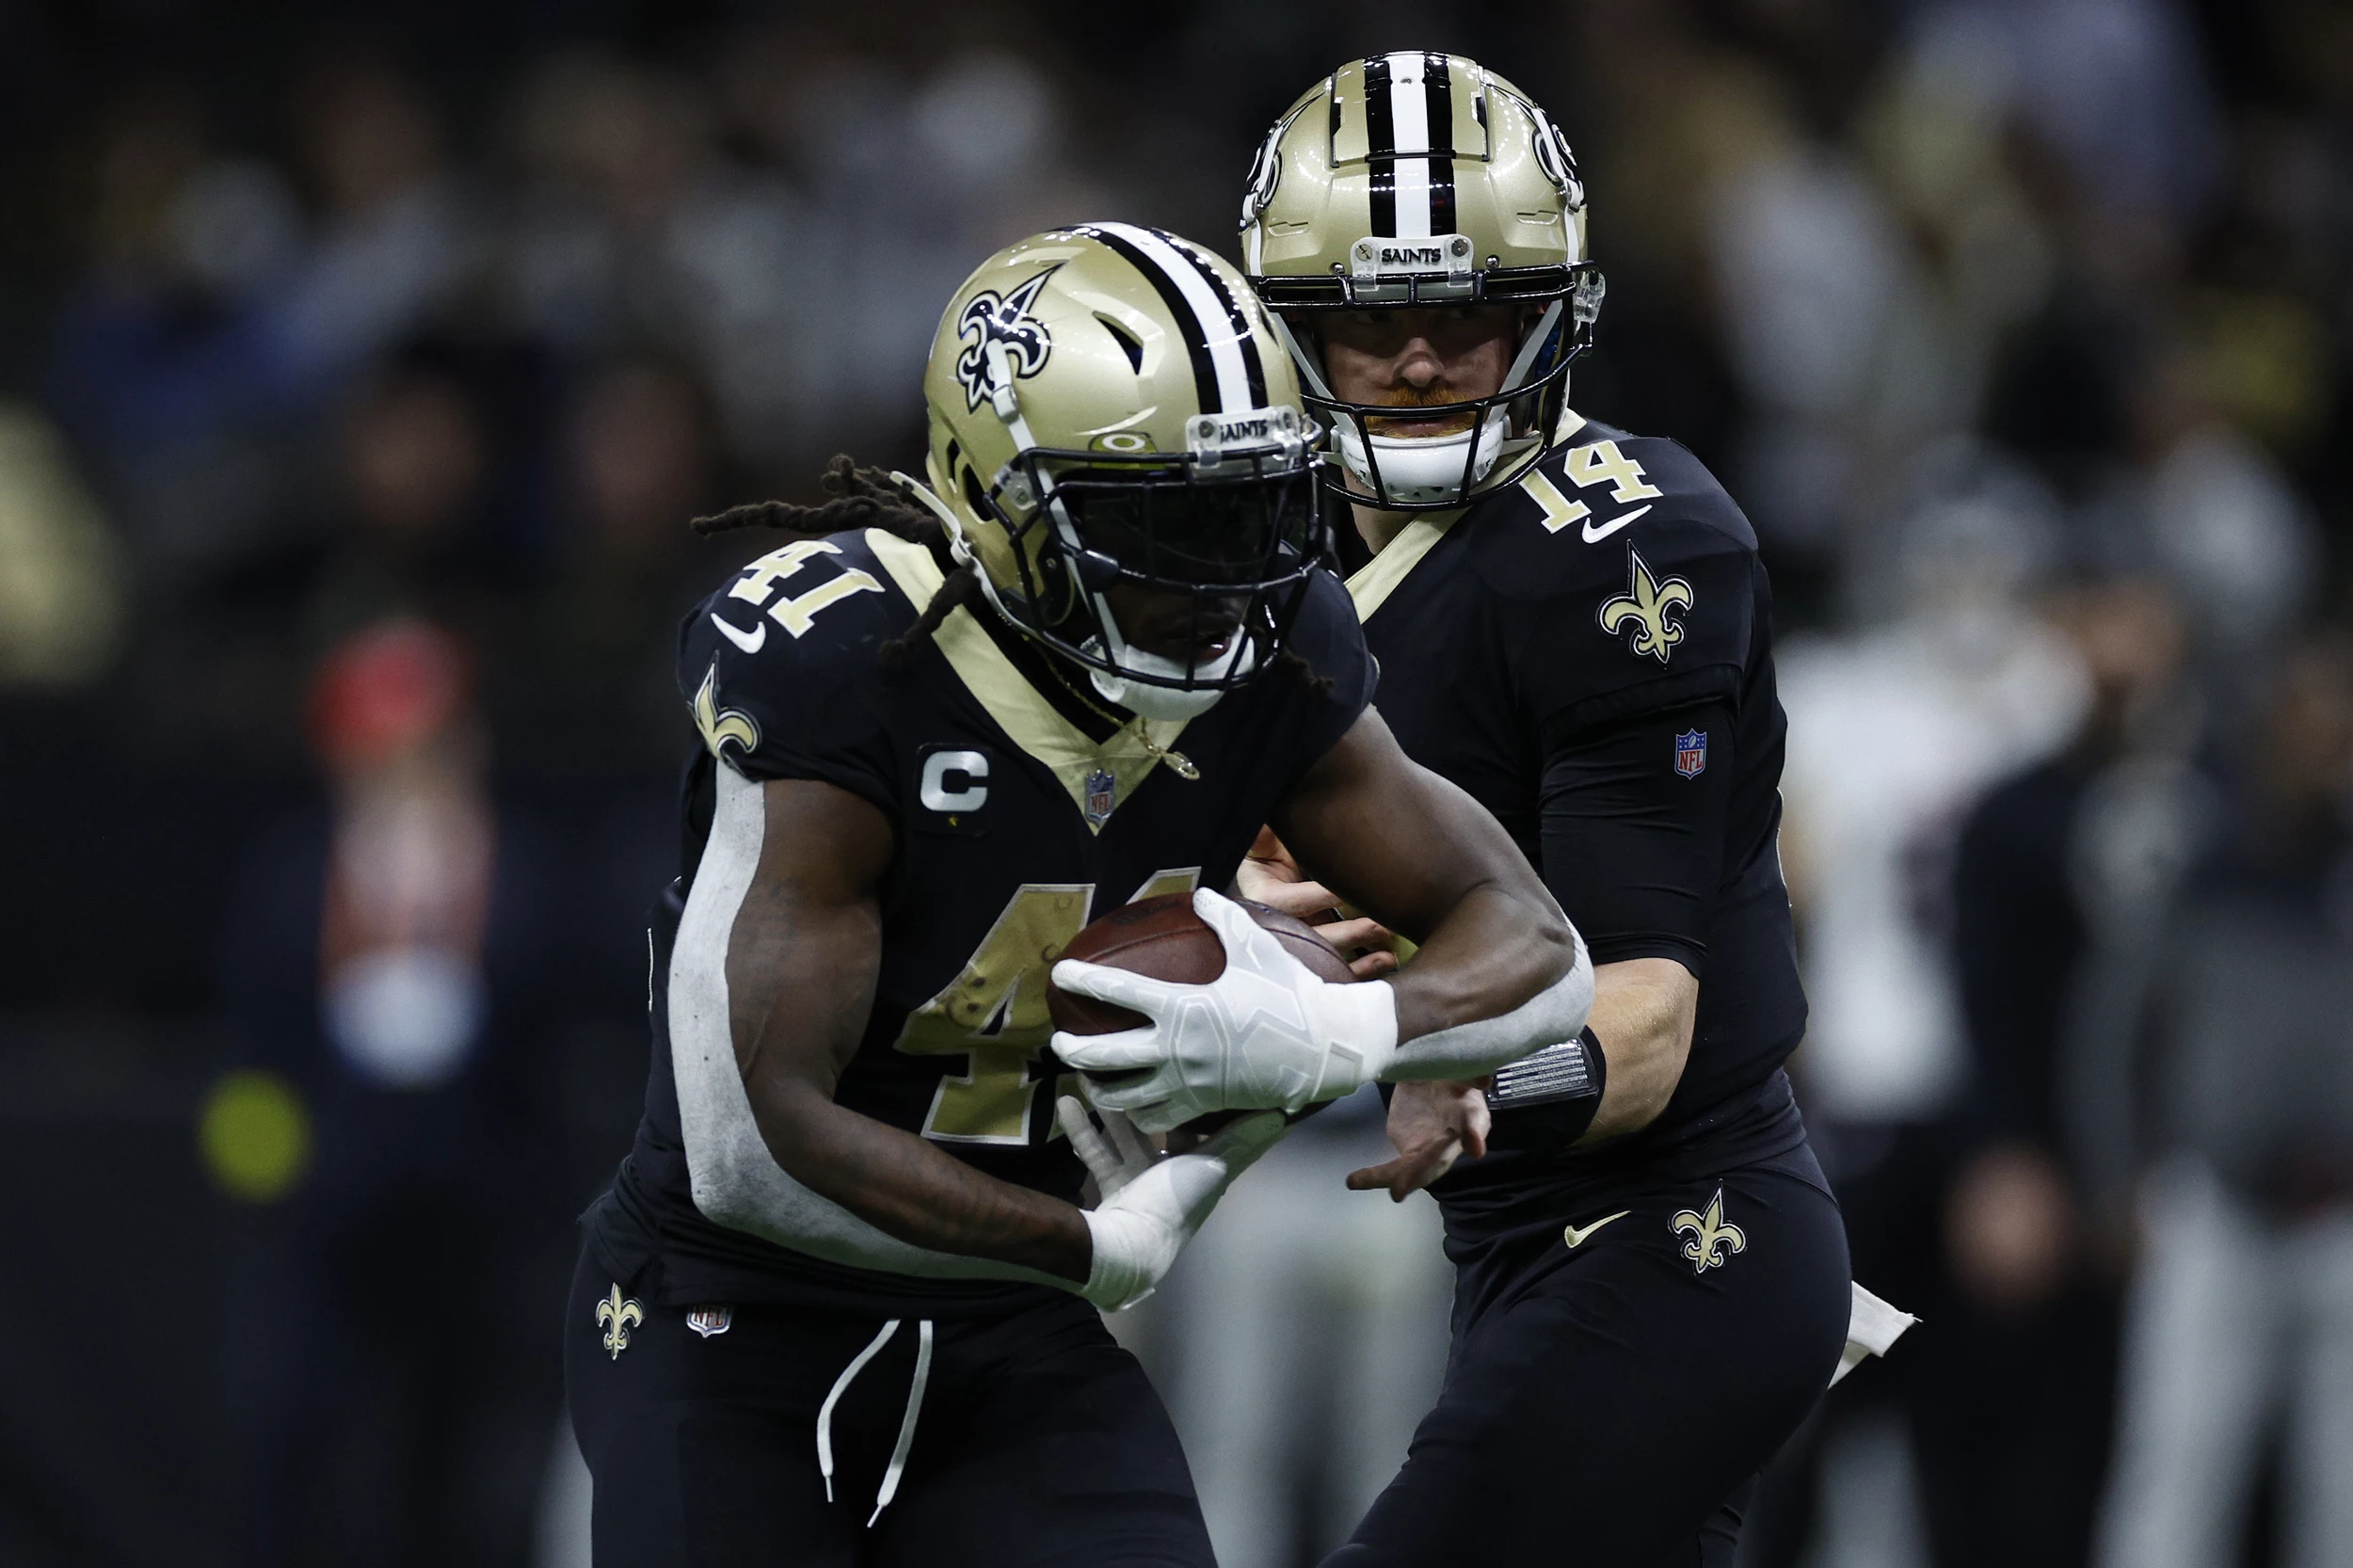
1712 1240
1645 610
720 724
616 1317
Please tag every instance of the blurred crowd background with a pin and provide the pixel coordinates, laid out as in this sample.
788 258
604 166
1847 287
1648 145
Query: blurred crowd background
361 365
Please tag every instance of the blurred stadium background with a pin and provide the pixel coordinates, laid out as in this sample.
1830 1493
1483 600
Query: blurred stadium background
360 366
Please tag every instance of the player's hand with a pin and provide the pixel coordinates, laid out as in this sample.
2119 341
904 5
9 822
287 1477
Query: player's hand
1269 875
1116 1152
1267 1033
1152 1203
1431 1125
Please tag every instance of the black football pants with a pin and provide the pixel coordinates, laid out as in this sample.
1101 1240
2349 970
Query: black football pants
1603 1404
1036 1442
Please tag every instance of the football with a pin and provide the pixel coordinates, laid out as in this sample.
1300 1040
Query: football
1163 937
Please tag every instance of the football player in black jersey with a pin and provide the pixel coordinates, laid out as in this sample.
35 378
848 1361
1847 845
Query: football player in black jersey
839 1306
1571 622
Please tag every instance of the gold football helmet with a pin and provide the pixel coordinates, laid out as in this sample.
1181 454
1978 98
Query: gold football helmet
1108 403
1419 179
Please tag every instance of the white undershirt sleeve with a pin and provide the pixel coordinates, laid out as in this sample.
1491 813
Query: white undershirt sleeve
736 1181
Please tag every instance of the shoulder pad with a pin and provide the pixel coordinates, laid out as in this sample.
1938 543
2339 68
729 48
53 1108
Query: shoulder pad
781 667
1635 574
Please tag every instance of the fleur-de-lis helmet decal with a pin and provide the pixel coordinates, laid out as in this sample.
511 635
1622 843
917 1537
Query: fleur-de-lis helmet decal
1006 322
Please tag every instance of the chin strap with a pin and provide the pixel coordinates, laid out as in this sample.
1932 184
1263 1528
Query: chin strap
1533 347
1310 370
959 548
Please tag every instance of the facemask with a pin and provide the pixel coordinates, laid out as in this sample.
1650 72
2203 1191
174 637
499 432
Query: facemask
1423 467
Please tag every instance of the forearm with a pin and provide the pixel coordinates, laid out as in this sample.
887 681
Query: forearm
771 980
910 1190
1442 1033
1498 971
1643 1011
1493 950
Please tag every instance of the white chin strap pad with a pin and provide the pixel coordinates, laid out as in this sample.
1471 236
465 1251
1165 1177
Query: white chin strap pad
1166 702
1423 467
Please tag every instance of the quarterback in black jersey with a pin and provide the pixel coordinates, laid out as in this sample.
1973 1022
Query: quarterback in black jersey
840 1305
1571 622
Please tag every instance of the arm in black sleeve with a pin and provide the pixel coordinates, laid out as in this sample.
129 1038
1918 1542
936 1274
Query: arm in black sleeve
1633 818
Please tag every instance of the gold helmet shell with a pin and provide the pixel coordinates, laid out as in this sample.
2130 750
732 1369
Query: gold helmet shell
1415 180
1110 402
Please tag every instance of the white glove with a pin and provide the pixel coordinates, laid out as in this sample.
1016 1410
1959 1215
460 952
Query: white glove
1268 1032
1152 1203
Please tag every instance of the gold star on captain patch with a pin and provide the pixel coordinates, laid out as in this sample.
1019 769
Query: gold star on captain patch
722 724
1643 609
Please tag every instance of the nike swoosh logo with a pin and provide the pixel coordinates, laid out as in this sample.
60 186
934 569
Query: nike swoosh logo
750 642
1577 1238
1596 531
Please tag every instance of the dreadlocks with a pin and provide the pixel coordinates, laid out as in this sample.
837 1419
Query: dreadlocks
864 498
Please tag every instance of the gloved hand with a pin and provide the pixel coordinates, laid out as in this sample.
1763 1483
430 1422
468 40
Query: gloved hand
1152 1202
1266 1033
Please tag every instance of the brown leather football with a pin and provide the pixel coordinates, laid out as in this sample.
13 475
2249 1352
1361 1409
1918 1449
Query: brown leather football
1163 937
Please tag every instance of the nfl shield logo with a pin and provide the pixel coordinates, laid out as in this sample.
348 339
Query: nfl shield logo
707 1320
1691 753
1102 790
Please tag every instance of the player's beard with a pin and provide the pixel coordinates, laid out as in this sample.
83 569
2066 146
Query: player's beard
1433 396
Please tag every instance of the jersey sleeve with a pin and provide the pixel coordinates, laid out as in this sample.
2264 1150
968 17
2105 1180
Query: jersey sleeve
1634 816
1336 684
1627 583
781 672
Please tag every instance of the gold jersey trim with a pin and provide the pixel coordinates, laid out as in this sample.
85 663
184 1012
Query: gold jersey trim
1378 578
1020 711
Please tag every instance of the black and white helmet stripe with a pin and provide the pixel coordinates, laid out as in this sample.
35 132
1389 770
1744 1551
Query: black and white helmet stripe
1228 375
1254 368
1409 130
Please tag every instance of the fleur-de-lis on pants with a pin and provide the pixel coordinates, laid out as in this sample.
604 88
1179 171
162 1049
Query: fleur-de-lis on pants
616 1318
1712 1240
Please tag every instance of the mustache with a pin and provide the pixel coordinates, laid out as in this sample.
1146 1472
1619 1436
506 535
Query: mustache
1405 398
1437 394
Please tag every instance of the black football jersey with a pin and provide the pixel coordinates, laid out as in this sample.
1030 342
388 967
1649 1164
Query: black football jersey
1615 581
1017 824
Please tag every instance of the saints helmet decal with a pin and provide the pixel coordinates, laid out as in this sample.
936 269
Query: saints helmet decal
1109 405
988 320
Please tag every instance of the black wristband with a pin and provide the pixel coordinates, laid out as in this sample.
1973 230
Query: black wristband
1548 1100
